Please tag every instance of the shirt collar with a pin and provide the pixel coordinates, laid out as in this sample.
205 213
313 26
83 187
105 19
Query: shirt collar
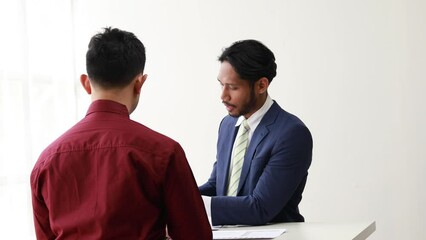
103 105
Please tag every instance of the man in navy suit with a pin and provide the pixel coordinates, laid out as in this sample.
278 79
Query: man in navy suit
279 150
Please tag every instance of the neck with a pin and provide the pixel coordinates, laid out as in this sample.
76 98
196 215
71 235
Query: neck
116 95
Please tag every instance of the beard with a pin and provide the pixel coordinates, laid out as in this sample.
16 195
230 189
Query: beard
246 107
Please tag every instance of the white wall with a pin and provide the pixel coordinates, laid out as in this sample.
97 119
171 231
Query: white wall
354 71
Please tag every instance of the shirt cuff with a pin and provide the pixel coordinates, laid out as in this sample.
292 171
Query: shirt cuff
207 206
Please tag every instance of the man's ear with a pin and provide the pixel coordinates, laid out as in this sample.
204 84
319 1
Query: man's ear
262 85
139 82
85 82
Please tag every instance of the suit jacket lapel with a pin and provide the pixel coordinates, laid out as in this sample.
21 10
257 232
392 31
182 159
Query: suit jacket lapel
231 132
259 134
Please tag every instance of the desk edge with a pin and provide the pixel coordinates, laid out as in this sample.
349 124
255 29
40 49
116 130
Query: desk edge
366 232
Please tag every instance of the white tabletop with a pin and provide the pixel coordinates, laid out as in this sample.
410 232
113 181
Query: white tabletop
318 231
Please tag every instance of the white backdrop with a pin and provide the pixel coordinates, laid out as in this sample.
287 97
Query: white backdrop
353 71
37 98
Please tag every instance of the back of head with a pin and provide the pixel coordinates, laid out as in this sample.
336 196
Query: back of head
114 58
251 60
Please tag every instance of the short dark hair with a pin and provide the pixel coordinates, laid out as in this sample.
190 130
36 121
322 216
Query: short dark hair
114 58
251 60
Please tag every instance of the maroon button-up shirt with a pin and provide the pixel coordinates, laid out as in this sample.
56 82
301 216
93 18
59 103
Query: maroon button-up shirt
109 177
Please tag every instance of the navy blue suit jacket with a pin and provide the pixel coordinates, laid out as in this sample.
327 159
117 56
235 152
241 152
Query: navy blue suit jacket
273 176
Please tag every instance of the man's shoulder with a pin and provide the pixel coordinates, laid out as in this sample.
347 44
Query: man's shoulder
283 115
143 131
228 122
229 119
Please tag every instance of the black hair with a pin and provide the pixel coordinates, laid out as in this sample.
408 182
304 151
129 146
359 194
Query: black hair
251 60
114 58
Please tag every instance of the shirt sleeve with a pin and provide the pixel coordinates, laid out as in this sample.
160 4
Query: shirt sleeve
209 188
40 211
186 215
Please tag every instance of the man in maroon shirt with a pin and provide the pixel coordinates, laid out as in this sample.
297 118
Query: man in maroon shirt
109 177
